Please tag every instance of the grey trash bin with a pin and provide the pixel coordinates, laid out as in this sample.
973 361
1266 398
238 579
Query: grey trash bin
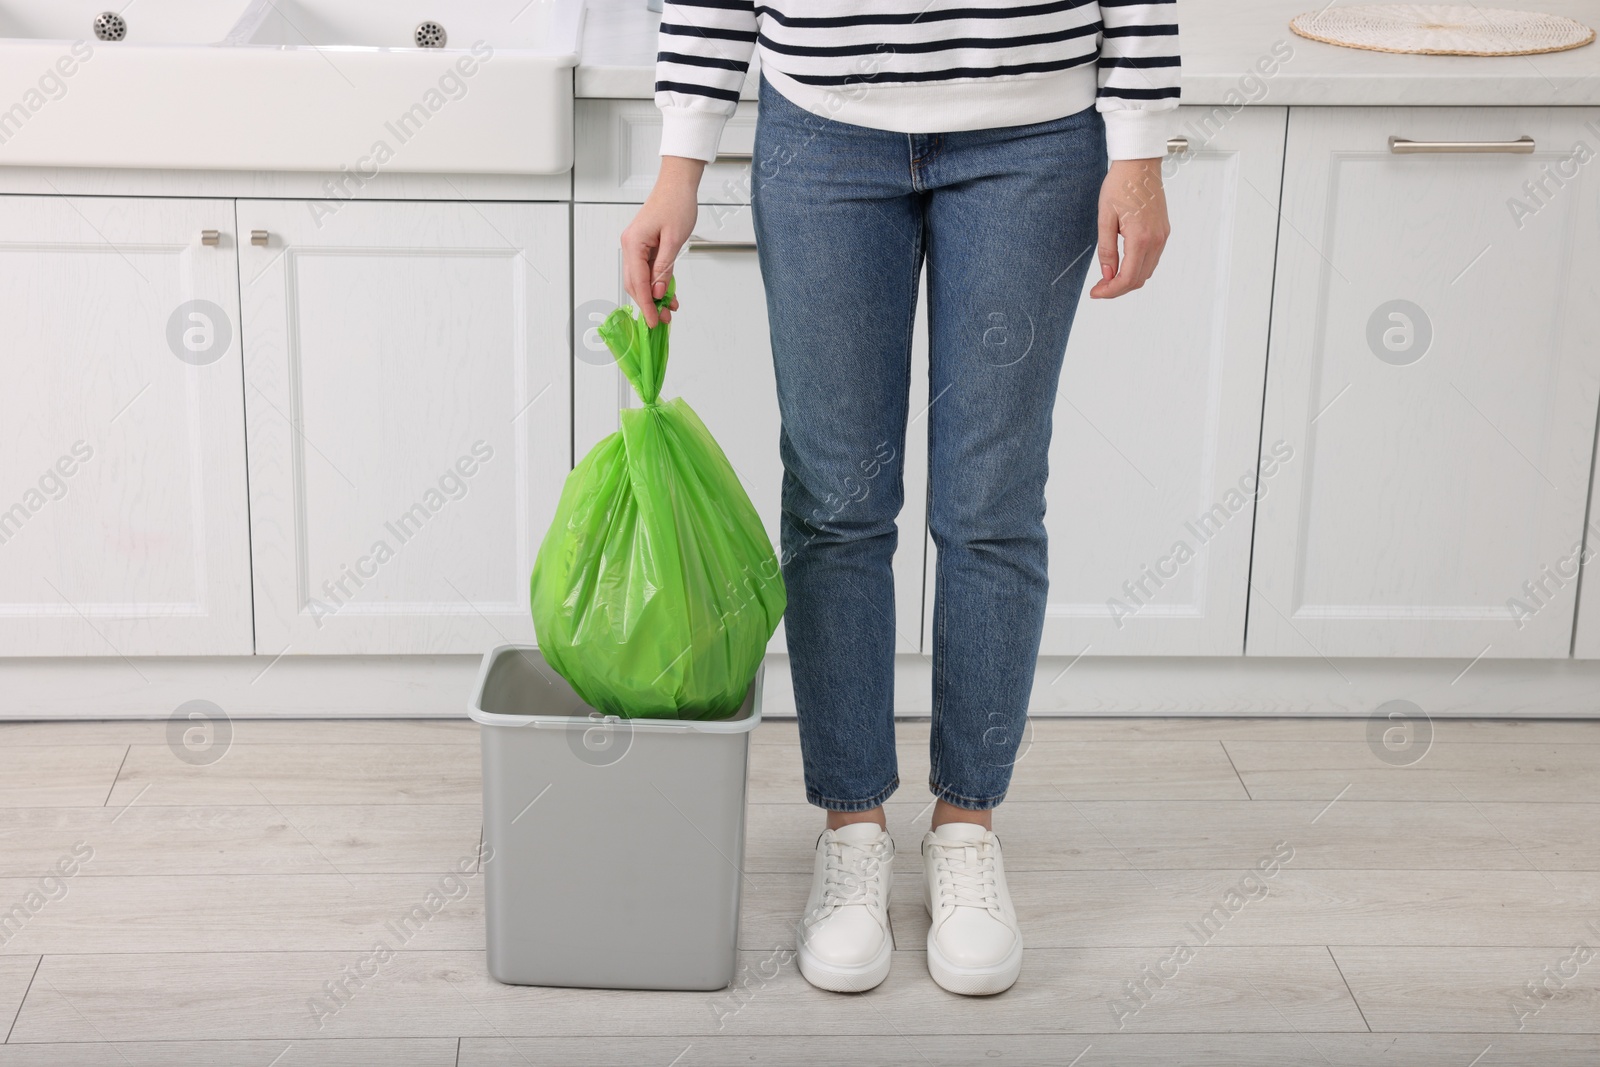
615 846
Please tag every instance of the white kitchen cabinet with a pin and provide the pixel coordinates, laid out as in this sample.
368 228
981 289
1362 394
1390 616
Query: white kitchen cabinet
1433 366
123 522
1153 451
407 379
721 363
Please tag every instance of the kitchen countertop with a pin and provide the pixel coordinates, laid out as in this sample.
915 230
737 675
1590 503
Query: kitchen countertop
1222 42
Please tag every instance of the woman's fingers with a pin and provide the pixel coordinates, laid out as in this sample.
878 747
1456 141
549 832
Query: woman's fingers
1114 269
1138 261
666 312
637 259
1141 250
1135 268
661 272
1108 240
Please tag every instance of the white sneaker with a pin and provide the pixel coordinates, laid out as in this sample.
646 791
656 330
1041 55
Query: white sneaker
974 944
843 940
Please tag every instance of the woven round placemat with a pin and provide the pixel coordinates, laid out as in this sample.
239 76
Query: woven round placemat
1442 29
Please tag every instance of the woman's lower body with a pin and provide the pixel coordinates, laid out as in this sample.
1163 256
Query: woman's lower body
845 217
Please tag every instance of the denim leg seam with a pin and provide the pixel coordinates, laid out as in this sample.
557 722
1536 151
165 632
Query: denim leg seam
910 336
935 747
940 625
936 638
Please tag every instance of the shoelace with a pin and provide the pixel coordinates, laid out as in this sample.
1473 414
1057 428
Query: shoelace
850 874
967 876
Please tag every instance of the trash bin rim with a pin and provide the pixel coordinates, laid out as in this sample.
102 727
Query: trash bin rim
476 712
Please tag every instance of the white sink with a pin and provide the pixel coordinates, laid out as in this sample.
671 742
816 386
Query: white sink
165 22
319 85
504 24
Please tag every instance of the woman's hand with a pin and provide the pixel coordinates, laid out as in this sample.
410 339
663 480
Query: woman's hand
1133 204
657 234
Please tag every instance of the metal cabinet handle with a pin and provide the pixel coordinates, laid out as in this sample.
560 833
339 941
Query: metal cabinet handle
700 244
258 238
1176 146
1400 146
210 237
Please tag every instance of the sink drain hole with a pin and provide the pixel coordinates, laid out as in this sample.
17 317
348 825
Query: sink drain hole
429 35
110 26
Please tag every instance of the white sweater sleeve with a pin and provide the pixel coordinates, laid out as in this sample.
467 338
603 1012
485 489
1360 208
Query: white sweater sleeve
1138 75
705 48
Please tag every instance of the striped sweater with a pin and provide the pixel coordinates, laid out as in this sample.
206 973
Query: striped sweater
923 66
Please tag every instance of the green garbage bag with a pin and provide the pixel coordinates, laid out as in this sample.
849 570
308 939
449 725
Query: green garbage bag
656 589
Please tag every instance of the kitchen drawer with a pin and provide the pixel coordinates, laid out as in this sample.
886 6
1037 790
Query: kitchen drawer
617 152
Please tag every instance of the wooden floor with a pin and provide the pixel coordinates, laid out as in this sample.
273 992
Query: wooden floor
1446 912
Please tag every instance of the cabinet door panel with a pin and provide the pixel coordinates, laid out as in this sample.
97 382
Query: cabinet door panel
1153 452
123 521
1433 366
407 387
721 364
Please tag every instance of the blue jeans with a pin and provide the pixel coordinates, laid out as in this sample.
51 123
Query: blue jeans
844 217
